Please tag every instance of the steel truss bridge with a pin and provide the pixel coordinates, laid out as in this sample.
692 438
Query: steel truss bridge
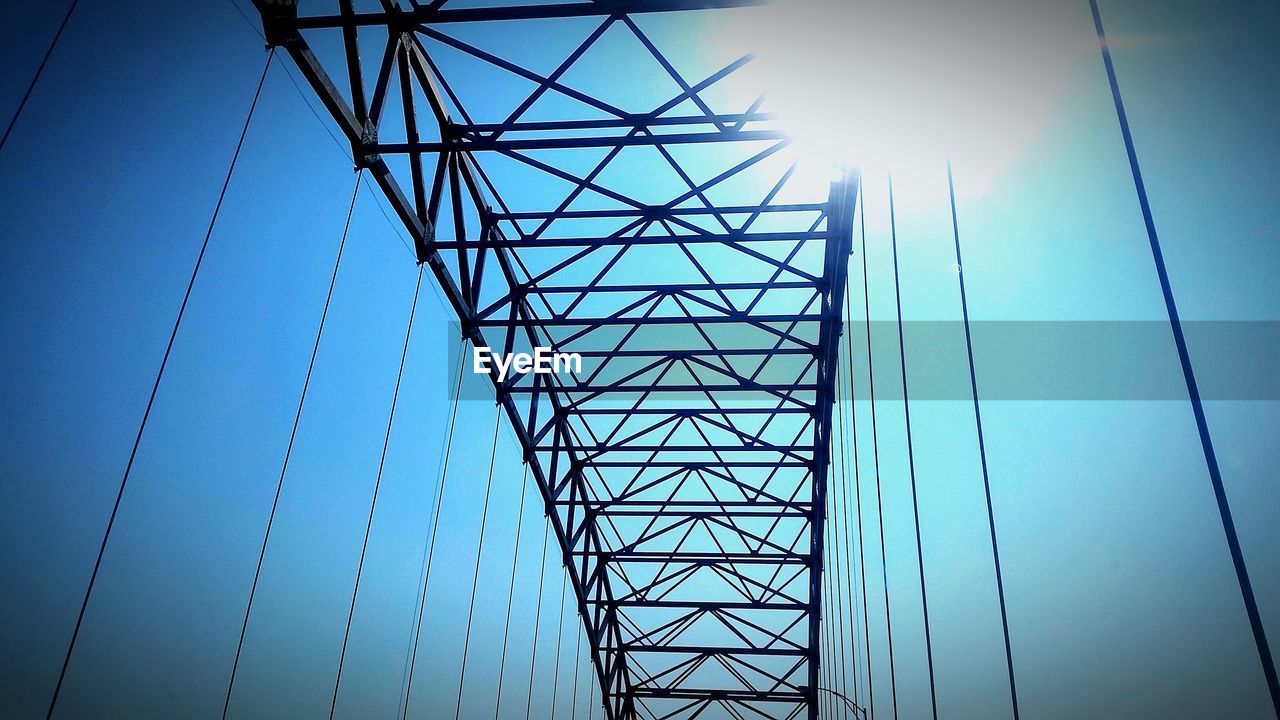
652 215
684 470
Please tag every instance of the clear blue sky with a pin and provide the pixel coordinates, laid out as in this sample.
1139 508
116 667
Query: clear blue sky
1122 601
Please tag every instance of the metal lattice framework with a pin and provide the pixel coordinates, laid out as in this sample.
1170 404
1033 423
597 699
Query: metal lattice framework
606 201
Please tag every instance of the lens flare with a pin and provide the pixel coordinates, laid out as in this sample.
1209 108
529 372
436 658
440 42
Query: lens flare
903 86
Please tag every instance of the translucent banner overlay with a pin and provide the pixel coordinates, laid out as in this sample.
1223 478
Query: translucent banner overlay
1015 361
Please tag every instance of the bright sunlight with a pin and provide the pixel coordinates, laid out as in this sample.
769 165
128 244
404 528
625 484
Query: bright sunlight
865 84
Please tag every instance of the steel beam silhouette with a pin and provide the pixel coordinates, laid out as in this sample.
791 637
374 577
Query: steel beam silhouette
683 250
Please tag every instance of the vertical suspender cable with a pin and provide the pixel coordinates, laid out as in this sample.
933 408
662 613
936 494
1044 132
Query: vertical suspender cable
591 695
475 578
911 456
839 536
831 561
851 564
426 581
555 677
429 544
373 503
850 641
875 450
577 673
827 627
288 452
511 592
824 642
155 387
1188 374
982 447
537 622
22 104
857 475
842 594
841 683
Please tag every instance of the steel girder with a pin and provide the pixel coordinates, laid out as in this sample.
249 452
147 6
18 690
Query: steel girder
567 194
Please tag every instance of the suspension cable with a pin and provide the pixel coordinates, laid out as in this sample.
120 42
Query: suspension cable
22 104
1188 374
836 534
841 681
431 543
875 448
851 564
155 387
982 447
591 694
475 578
428 545
537 621
288 453
555 677
577 673
911 456
851 640
511 591
828 627
373 503
857 477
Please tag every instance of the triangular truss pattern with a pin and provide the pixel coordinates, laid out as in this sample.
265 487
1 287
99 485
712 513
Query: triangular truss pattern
669 238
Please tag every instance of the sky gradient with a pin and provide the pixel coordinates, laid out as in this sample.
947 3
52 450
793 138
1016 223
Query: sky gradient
1121 597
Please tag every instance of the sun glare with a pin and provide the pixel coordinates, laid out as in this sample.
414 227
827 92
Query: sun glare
870 85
